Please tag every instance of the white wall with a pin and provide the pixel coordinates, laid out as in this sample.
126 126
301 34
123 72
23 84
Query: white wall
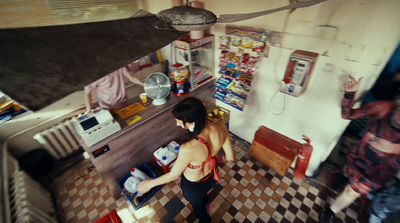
356 37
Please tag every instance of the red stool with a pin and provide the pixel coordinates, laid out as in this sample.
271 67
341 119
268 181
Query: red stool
111 217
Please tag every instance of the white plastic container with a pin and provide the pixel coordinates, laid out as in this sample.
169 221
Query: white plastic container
173 147
164 158
131 184
139 174
165 155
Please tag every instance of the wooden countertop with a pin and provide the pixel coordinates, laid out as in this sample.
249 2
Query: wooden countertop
146 114
135 144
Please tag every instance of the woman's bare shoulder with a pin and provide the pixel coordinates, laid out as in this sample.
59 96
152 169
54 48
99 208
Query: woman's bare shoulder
219 126
187 146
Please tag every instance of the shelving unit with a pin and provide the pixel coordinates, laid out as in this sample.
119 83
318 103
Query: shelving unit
197 55
9 108
241 50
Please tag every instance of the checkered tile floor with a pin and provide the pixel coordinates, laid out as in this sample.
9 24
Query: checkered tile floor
248 192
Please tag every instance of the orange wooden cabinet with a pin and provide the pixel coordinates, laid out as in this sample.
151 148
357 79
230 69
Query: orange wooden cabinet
274 149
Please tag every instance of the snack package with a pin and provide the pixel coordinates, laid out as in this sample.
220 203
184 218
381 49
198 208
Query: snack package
223 82
251 71
229 72
253 60
236 74
231 55
245 80
236 58
242 77
224 54
245 58
220 95
258 46
223 70
224 42
236 41
231 66
235 87
222 63
243 68
235 100
247 43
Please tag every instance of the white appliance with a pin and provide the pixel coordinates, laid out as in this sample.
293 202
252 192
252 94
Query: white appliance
96 126
157 86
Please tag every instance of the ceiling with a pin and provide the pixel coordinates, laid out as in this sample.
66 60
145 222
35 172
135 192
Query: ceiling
40 65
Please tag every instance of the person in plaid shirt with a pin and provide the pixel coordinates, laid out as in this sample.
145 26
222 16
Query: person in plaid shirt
375 159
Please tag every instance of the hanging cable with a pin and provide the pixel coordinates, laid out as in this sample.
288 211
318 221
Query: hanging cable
275 74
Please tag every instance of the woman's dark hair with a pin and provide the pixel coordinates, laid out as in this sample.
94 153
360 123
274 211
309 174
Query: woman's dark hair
191 110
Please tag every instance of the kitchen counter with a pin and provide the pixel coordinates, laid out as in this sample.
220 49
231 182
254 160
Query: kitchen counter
135 144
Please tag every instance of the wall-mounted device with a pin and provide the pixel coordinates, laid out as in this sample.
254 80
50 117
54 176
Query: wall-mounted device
298 72
95 126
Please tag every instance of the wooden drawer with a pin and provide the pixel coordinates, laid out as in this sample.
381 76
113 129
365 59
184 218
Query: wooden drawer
274 160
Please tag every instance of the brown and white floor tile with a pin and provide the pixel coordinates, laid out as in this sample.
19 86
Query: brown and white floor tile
248 192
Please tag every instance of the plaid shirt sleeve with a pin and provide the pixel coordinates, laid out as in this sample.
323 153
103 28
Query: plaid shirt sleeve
374 109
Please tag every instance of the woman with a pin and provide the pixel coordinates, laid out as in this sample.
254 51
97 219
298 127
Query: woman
375 159
197 158
110 89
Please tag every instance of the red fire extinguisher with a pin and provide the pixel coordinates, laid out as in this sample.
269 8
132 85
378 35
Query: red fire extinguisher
303 159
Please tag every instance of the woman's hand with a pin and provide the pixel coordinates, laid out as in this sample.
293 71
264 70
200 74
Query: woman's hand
144 187
352 85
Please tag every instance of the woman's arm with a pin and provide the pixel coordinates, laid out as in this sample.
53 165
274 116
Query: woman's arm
374 109
88 93
88 99
227 145
183 160
135 80
132 78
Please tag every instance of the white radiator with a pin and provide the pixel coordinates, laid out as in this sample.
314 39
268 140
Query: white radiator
60 140
28 201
